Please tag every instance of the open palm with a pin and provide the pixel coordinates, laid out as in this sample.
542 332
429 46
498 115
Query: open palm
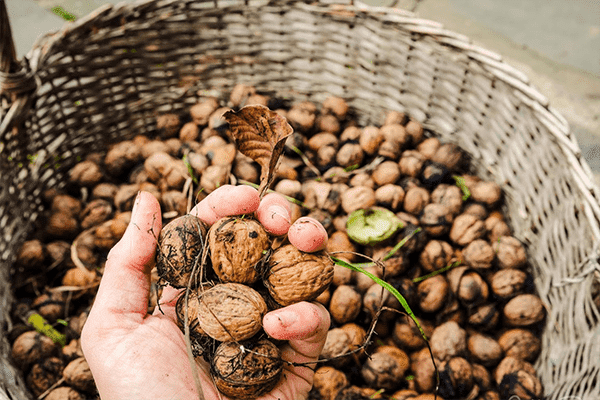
134 355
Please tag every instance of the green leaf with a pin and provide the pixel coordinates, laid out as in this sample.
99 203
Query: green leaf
437 272
460 182
372 225
386 285
42 326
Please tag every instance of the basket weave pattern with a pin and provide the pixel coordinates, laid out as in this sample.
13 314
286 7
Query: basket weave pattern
104 78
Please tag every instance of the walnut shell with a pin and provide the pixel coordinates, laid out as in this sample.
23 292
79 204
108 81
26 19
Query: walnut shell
411 163
428 147
509 282
436 254
517 378
168 125
407 336
246 370
479 254
386 173
31 254
96 212
32 346
524 310
424 370
433 293
77 374
121 157
295 276
64 393
338 343
456 378
201 111
385 368
302 116
336 106
328 381
239 94
484 317
370 139
449 196
231 312
179 248
510 253
237 249
466 228
520 343
448 340
390 196
436 219
415 200
86 173
484 349
340 246
213 177
487 192
66 204
345 304
450 155
44 374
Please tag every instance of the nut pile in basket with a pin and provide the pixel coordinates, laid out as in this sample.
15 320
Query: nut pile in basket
397 204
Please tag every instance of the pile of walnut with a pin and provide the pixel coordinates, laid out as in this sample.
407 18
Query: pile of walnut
481 316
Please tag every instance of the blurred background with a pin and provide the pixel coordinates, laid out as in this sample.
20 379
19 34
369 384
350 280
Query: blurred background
556 43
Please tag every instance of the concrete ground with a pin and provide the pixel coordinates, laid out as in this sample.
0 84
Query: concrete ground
554 42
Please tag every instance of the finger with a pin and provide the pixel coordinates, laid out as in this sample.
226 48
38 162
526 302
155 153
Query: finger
125 284
168 301
274 213
307 234
303 324
225 201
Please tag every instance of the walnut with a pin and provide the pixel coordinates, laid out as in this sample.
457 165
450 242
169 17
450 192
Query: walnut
237 249
350 154
448 340
68 205
257 99
436 254
484 349
353 392
351 134
336 106
126 196
466 228
449 155
395 117
482 377
428 147
415 200
201 111
411 163
44 374
175 202
31 254
231 312
390 196
390 149
476 209
121 157
328 123
407 336
64 393
370 139
96 212
433 174
487 192
50 306
168 125
385 173
385 368
246 370
362 281
337 343
404 394
436 219
424 370
189 132
345 304
468 286
517 378
456 378
239 95
109 233
336 174
323 139
496 227
32 346
213 177
59 253
323 195
362 179
507 283
484 317
394 265
62 225
152 147
72 350
180 245
479 254
415 130
524 310
328 381
77 374
357 197
340 246
396 133
510 253
287 264
86 173
520 343
448 195
433 293
302 116
105 191
357 335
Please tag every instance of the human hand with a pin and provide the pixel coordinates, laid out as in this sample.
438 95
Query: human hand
135 355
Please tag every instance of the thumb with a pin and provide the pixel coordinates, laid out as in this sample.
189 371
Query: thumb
125 284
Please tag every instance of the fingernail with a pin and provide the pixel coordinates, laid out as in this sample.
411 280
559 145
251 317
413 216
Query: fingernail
287 318
135 203
276 211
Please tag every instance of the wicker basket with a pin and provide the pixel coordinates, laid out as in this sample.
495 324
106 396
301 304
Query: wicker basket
104 77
